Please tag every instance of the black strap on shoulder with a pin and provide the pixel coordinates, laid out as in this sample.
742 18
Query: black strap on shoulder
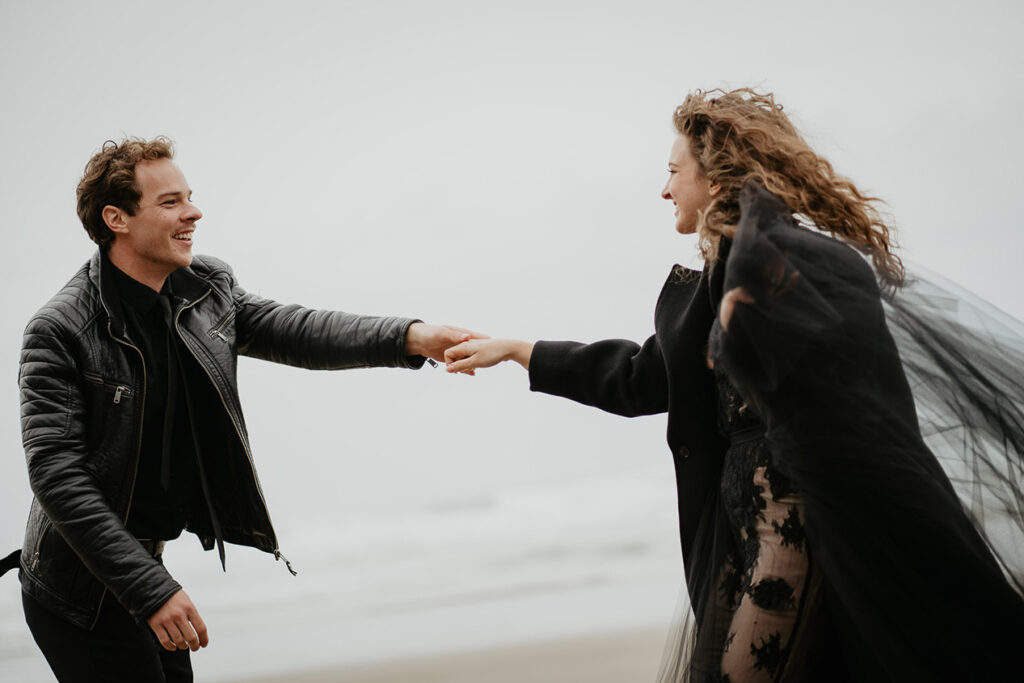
10 562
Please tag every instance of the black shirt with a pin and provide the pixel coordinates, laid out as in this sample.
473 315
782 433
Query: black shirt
157 512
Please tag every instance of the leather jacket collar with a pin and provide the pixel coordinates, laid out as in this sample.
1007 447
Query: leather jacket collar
184 283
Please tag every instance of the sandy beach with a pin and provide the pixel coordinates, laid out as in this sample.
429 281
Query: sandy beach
631 657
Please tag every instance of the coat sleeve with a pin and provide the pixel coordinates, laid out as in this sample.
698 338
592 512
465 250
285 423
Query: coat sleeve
615 375
809 291
316 339
54 433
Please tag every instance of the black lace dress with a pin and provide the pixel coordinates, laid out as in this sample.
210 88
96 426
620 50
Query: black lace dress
762 584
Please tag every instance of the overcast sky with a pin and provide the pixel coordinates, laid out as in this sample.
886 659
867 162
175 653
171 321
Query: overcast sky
491 164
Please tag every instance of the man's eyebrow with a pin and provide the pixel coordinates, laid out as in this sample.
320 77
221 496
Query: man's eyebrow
174 193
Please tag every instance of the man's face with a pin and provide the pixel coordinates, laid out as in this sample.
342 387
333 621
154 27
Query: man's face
158 238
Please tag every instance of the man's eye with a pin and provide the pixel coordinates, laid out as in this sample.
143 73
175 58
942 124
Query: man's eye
169 202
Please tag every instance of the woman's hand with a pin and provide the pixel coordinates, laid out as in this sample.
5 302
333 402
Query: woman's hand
431 341
729 301
483 353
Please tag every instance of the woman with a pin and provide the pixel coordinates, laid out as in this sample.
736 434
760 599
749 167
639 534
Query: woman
820 536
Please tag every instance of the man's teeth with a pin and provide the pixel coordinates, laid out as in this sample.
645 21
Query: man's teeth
185 236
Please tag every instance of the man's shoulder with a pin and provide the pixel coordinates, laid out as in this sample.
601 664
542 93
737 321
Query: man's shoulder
73 306
207 266
212 271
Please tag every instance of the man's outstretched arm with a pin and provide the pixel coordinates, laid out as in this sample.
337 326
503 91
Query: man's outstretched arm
334 340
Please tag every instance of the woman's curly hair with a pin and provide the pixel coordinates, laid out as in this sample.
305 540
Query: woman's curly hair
742 134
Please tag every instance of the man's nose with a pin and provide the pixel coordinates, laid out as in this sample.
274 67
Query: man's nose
193 214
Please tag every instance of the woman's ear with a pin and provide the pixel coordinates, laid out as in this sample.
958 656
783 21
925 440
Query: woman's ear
714 188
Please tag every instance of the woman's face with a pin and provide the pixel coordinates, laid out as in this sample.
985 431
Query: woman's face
687 187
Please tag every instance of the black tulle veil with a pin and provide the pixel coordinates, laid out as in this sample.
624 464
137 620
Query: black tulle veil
900 417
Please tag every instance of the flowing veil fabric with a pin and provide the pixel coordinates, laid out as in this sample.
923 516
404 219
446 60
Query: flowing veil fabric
964 361
900 418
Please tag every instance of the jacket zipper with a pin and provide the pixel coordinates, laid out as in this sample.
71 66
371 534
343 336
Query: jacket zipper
39 544
238 431
218 331
119 389
138 449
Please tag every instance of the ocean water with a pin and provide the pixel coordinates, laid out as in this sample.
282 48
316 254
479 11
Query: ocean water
529 562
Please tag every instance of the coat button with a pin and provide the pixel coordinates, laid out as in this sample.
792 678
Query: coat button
683 452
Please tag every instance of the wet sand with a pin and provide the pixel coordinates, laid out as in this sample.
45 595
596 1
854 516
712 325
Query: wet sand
631 657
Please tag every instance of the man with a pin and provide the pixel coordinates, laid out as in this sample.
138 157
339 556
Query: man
132 425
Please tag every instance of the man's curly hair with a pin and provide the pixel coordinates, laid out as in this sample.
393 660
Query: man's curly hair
109 179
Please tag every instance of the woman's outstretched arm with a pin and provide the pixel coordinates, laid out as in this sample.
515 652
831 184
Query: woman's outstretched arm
484 353
615 375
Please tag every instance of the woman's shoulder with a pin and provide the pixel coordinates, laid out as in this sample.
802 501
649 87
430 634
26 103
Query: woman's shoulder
808 247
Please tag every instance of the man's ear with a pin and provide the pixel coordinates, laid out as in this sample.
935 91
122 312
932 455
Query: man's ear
115 219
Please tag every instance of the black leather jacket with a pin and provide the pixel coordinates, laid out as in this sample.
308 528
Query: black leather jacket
82 386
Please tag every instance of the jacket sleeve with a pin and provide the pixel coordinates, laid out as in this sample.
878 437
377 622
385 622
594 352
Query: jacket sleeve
318 340
54 433
615 375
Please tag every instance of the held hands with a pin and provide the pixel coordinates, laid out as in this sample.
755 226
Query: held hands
178 626
483 353
480 351
431 341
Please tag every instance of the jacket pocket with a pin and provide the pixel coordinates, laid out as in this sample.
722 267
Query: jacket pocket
117 390
217 331
34 560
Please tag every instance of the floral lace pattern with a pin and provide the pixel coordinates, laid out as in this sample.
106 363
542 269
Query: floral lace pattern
763 582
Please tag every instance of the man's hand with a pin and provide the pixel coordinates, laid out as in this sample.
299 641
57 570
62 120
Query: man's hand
470 355
178 626
431 341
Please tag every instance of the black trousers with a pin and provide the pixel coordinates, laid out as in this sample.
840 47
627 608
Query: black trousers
117 650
